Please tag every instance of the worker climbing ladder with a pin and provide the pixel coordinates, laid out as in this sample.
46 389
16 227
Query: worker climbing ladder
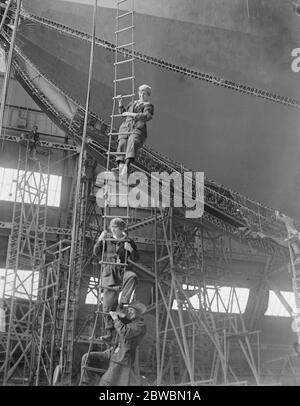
117 194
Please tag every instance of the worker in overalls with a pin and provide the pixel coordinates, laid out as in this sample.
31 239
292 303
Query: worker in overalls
117 362
118 248
133 131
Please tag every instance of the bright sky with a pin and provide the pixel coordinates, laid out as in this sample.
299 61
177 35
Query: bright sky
8 187
234 300
26 283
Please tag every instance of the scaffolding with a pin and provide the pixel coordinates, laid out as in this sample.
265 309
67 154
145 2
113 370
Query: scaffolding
25 254
282 371
192 346
196 336
50 305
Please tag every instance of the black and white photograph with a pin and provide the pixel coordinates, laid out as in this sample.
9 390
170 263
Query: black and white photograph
149 197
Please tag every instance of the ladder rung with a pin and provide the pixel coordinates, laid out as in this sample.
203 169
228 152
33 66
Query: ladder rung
116 153
125 14
95 369
112 263
125 29
125 45
123 79
122 133
95 341
117 194
126 95
116 115
115 239
125 61
112 217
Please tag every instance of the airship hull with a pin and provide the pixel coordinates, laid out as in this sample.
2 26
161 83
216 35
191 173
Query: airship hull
243 141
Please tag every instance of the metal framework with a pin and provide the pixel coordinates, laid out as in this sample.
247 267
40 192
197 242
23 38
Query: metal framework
48 320
199 340
195 74
193 345
282 371
9 57
25 253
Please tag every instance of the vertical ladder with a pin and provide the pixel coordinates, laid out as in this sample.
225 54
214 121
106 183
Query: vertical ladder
124 74
124 84
67 307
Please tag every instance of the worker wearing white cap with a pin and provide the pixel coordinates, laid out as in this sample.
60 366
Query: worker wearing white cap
118 360
133 131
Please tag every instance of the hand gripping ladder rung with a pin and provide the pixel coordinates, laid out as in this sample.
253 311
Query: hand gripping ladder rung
123 83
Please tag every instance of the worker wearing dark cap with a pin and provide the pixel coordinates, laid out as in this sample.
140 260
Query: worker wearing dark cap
119 359
116 278
133 131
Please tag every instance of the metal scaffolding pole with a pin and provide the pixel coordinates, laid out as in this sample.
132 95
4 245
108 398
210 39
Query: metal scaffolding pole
158 359
78 214
8 67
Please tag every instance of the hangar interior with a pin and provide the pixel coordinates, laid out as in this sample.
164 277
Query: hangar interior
221 290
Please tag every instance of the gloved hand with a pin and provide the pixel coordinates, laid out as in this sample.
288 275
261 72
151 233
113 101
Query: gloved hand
128 246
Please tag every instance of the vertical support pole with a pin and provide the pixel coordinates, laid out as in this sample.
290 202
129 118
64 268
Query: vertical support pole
77 190
181 321
8 68
40 344
194 332
158 380
225 357
258 356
